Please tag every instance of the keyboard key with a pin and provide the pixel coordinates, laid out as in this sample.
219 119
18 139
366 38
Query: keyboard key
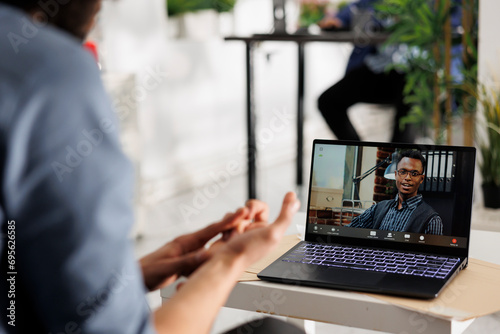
360 266
334 263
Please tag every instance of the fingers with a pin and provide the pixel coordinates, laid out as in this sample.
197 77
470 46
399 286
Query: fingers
290 206
232 224
258 210
261 211
197 240
256 225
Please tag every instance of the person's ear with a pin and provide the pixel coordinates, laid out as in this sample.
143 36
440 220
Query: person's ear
422 179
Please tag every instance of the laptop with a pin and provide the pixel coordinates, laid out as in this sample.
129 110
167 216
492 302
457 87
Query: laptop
370 240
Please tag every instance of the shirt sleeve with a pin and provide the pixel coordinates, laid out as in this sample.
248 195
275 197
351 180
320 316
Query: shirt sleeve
435 226
364 220
69 188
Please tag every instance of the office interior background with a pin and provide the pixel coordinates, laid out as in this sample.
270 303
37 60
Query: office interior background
179 91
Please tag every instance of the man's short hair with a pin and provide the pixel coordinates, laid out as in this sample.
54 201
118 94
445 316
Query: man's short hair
73 16
412 154
23 4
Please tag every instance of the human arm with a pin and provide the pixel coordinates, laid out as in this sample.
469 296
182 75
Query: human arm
344 17
434 226
364 220
330 23
186 253
207 288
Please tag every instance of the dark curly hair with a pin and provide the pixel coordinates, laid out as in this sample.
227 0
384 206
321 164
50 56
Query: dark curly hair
74 16
412 154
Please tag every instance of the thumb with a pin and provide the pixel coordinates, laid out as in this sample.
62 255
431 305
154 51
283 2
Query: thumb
290 206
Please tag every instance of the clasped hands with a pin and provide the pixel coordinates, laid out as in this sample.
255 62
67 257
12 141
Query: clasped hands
245 236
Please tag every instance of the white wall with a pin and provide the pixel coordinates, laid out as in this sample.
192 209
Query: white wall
489 60
193 119
329 167
489 43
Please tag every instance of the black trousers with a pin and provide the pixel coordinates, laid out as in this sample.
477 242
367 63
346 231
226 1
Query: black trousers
363 85
266 326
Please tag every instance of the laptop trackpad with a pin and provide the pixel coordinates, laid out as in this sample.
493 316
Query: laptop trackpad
350 278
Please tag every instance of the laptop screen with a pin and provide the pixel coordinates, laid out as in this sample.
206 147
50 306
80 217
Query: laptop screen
413 194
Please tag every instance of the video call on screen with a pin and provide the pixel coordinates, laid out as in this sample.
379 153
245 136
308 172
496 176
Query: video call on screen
347 180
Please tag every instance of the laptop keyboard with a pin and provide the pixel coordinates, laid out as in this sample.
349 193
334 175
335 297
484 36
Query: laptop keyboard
352 257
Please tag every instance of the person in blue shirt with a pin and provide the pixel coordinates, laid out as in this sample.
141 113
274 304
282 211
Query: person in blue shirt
366 79
66 191
407 212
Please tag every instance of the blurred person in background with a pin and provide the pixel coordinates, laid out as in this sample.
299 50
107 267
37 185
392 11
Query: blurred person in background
365 79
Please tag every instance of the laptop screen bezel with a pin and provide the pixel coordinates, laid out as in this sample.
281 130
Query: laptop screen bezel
468 183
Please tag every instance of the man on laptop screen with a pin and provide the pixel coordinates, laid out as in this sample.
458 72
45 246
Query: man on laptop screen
407 212
387 218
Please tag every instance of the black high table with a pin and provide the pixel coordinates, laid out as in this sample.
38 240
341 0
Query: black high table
301 40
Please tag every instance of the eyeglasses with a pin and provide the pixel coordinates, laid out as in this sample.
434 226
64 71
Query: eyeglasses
413 173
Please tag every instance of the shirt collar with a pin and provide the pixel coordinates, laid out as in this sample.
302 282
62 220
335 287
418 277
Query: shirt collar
410 203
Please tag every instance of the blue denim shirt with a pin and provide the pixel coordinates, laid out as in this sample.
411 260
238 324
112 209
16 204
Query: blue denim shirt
378 58
66 188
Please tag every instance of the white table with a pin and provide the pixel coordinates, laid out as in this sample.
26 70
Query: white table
349 308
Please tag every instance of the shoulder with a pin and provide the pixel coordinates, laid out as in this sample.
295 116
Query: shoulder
46 76
428 211
51 93
38 55
424 206
378 207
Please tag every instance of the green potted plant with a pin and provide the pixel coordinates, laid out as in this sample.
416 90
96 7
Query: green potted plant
311 12
197 19
425 27
488 137
420 25
178 7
